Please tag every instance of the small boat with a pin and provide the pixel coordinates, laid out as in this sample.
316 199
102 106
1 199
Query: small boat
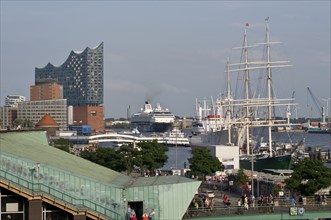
175 137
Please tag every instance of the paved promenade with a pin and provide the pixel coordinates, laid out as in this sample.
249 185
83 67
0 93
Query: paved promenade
278 211
310 207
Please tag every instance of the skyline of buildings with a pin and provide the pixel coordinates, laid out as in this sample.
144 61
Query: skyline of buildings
71 93
81 76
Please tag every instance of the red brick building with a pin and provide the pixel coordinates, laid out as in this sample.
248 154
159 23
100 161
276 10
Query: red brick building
46 90
89 115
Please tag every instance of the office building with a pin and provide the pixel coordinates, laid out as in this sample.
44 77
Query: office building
12 100
7 116
46 90
89 115
36 110
81 76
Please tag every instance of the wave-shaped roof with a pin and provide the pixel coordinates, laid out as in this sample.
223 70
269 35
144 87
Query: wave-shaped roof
71 53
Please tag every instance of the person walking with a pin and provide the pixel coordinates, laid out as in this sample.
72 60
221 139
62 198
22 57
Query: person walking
293 202
133 217
239 206
128 214
145 215
151 215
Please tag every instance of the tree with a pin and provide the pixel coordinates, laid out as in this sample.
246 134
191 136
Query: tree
241 177
27 123
131 157
63 144
18 122
152 155
106 157
308 177
149 155
242 180
120 125
203 163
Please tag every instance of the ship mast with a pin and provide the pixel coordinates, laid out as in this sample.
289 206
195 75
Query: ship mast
270 99
269 102
246 89
228 114
269 86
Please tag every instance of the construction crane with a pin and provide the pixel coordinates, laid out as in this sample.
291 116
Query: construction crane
318 105
289 109
293 106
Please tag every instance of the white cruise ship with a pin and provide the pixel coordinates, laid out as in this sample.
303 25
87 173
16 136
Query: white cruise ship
152 120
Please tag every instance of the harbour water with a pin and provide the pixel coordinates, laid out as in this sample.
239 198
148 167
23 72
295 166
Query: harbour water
313 140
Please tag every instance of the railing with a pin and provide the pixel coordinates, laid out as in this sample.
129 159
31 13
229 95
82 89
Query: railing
44 191
280 206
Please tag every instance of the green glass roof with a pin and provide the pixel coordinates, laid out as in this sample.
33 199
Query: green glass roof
33 145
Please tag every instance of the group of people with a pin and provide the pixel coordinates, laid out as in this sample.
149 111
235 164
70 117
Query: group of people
204 202
245 201
208 202
131 214
268 203
321 199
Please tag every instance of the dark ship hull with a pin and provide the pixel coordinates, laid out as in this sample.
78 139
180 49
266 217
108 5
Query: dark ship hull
283 162
152 127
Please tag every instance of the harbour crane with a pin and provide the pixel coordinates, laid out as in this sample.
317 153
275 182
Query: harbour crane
318 105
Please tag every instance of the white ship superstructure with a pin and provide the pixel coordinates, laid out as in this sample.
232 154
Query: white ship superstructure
210 126
152 120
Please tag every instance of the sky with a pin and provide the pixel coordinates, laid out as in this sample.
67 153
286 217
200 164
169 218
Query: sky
167 52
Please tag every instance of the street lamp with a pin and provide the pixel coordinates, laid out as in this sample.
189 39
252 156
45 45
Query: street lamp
34 169
37 167
252 176
78 126
258 186
176 149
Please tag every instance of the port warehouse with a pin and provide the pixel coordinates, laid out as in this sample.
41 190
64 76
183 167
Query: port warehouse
42 179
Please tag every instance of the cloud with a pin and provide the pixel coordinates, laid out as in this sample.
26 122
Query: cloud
322 57
116 58
172 89
235 6
129 87
123 86
163 89
294 16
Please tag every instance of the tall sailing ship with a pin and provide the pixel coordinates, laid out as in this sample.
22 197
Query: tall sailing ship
248 112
